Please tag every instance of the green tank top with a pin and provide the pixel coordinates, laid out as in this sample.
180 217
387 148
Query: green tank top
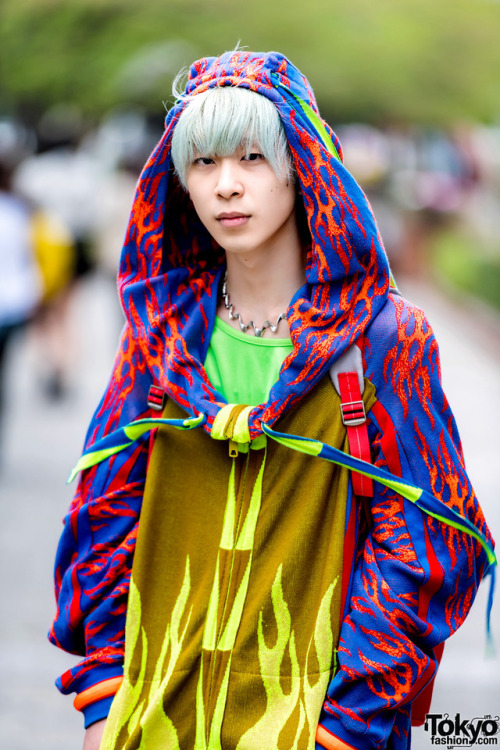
243 368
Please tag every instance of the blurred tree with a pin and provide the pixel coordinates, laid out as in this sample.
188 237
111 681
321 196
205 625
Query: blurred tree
429 61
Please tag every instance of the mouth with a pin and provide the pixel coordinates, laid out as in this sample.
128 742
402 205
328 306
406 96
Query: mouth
233 219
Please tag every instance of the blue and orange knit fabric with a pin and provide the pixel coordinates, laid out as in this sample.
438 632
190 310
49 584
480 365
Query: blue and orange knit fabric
414 577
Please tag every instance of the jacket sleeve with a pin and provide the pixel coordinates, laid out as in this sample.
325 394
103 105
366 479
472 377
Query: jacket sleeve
95 552
415 577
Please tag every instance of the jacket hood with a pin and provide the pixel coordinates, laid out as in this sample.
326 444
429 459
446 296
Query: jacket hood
171 269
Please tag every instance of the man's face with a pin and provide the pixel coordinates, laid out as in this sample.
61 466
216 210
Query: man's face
241 201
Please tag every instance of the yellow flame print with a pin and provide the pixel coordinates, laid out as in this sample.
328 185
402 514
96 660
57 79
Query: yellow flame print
156 729
305 697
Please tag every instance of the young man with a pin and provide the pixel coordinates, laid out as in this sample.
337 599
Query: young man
272 599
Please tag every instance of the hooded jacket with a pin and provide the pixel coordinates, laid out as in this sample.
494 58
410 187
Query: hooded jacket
410 575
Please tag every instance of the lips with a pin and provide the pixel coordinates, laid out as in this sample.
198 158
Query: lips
233 219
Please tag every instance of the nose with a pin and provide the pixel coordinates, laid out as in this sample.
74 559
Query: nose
228 179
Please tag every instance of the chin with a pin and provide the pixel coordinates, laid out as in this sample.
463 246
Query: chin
231 250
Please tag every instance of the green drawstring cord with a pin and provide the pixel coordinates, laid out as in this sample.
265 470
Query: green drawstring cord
122 438
239 440
426 502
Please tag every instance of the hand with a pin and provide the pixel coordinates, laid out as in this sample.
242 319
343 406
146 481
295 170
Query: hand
93 735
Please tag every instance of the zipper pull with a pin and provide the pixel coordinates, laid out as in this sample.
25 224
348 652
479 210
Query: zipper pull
233 448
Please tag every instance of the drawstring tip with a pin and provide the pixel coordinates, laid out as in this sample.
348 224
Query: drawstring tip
490 643
490 651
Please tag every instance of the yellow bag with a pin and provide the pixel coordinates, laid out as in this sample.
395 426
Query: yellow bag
54 251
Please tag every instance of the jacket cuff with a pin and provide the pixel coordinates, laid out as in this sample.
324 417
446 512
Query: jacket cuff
325 739
97 711
102 689
88 676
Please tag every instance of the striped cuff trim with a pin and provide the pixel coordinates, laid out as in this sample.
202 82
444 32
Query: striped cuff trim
97 692
329 741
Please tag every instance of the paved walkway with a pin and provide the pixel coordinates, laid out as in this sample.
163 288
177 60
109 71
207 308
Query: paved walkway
43 441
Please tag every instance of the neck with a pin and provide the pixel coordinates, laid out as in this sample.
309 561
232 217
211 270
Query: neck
261 283
262 291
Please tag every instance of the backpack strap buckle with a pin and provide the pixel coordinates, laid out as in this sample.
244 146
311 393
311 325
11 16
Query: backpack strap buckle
353 413
157 398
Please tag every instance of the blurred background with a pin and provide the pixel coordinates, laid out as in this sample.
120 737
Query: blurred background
412 89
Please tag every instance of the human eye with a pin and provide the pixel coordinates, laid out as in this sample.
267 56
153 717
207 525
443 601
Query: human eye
203 160
253 156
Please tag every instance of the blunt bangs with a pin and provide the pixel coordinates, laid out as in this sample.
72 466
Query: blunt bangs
222 119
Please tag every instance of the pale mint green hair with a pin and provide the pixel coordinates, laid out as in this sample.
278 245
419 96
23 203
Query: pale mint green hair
220 120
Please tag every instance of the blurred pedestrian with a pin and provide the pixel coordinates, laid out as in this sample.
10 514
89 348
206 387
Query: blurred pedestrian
52 327
20 280
61 183
430 184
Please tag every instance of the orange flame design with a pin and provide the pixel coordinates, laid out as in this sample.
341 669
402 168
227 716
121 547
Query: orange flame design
409 363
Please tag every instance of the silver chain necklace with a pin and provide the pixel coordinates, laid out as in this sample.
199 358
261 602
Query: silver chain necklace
245 326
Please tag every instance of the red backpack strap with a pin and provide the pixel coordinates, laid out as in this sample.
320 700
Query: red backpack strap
354 418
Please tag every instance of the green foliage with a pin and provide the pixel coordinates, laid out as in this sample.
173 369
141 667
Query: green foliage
406 60
457 259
